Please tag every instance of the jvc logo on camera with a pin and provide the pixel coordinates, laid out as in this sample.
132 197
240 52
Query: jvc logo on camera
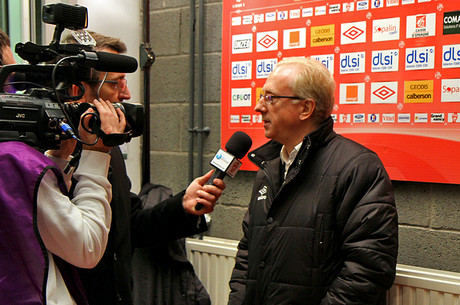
420 58
451 56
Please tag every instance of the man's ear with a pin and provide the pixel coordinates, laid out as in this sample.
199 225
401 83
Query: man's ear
74 90
307 109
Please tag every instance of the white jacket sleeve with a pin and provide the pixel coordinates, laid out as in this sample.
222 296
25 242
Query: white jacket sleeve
77 230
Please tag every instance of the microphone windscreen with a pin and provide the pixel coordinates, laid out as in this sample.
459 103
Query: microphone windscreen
239 144
111 62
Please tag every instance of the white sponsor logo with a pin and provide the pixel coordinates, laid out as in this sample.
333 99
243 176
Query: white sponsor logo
384 93
264 67
359 118
348 7
307 12
362 5
420 58
377 3
403 117
294 38
320 10
450 90
373 118
242 43
247 19
234 119
334 9
420 117
392 3
345 118
388 118
258 18
294 14
352 62
270 16
352 93
262 192
236 21
437 118
241 97
241 70
246 118
421 25
385 60
267 41
354 32
453 117
282 15
386 29
451 56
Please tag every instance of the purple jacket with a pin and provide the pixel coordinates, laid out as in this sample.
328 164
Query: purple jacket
23 256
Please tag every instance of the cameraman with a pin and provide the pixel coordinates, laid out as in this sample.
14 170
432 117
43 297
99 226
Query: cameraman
42 232
6 55
110 281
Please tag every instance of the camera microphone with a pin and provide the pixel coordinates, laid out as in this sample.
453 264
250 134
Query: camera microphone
108 62
226 162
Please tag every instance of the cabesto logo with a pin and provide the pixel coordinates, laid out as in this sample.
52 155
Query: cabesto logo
354 32
384 93
241 70
267 41
385 61
241 97
420 58
451 23
352 62
326 59
450 90
264 67
423 25
437 118
352 93
322 35
451 56
385 29
418 91
242 43
295 38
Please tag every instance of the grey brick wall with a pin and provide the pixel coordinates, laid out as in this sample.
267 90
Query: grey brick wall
429 214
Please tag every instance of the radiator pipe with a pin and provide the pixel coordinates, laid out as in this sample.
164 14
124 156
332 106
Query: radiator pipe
191 112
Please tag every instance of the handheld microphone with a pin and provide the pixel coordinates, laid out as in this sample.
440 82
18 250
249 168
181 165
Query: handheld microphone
108 62
226 162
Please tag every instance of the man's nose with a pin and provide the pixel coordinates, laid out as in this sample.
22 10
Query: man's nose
124 95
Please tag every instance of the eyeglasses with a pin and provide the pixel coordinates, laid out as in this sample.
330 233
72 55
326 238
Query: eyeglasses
121 84
269 98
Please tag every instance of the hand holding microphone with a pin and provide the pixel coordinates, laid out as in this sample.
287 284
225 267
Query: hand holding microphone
226 162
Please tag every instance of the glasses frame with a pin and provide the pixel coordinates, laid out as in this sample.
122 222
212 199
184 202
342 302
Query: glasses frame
268 98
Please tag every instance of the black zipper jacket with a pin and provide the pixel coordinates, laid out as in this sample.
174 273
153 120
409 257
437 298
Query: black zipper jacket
327 234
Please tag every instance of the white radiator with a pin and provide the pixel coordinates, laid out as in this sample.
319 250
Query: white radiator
213 260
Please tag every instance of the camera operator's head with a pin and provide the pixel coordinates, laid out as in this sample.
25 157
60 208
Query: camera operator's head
110 86
6 55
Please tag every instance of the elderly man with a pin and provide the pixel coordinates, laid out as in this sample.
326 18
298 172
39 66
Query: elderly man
321 227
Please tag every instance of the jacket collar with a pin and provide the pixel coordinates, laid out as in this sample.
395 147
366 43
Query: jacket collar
271 149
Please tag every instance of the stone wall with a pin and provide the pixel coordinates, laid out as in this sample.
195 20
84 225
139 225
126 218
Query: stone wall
429 214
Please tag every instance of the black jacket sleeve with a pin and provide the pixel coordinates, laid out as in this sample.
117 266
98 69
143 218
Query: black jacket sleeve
163 222
239 274
368 218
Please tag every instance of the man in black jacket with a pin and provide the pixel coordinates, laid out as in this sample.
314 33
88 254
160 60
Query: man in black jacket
321 227
110 282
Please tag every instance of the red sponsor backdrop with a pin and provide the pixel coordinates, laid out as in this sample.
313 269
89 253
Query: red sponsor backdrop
396 63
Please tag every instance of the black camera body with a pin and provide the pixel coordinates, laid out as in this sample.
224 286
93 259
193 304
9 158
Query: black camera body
34 98
35 119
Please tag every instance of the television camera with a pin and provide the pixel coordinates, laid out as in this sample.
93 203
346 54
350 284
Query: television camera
35 105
